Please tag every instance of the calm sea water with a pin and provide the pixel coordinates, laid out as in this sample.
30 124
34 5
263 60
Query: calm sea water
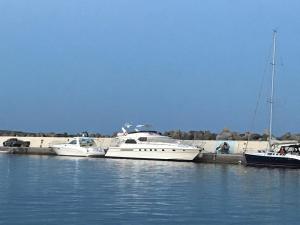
64 190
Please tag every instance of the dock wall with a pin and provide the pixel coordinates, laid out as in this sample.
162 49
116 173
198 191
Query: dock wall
236 147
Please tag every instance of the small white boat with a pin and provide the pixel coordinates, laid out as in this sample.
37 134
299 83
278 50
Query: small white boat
79 146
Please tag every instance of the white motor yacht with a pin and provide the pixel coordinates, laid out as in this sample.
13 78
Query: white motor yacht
148 144
79 146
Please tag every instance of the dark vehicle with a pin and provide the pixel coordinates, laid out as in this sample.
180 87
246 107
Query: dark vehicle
14 142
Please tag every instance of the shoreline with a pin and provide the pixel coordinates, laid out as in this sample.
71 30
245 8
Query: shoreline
43 146
210 146
206 157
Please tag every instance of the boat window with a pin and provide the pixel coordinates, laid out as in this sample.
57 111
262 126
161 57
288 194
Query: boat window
162 139
130 141
174 150
72 142
142 139
86 142
163 150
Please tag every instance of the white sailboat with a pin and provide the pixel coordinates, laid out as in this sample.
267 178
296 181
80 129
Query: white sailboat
280 155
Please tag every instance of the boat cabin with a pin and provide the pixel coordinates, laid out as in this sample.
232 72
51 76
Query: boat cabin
291 149
83 142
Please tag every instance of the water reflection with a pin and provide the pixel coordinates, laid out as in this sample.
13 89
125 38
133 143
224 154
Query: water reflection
117 191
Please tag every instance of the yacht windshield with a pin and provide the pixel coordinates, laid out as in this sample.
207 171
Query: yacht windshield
86 142
73 142
130 141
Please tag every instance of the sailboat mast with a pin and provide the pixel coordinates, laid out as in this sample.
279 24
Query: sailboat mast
272 88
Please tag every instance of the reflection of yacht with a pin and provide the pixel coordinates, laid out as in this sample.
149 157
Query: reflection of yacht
147 144
80 146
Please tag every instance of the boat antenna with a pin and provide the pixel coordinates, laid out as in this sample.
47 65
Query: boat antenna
272 88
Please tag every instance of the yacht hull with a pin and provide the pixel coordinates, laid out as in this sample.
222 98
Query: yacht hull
272 161
77 152
178 155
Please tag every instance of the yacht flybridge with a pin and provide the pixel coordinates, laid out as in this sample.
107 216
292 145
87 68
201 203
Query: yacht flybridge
143 143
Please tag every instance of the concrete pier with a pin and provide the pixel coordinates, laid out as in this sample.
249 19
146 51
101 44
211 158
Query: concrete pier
42 146
221 158
206 157
210 146
28 151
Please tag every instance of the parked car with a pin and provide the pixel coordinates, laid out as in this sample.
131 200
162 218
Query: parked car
14 142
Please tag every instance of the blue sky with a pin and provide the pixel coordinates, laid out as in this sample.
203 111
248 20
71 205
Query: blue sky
191 65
